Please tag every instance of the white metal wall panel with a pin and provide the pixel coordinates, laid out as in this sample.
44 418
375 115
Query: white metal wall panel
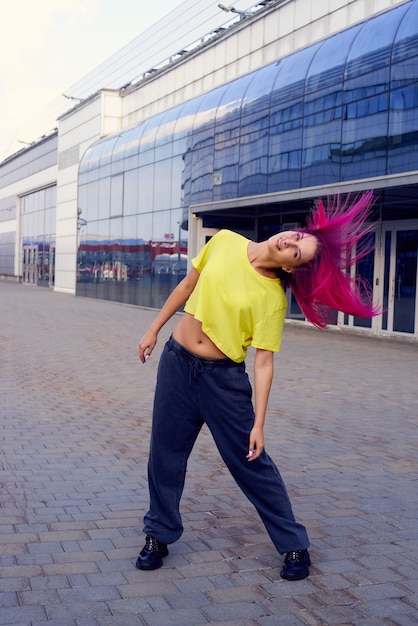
8 227
82 128
254 43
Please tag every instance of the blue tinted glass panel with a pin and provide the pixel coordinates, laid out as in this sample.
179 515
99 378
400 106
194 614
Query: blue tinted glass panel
92 254
258 92
144 228
131 162
204 121
187 178
321 153
403 130
405 51
253 163
226 170
201 176
366 99
132 141
254 139
258 121
185 118
284 169
182 131
323 113
118 150
162 237
162 185
129 267
177 261
97 155
364 143
228 126
366 116
115 231
228 114
164 136
372 46
291 76
129 229
406 40
167 125
146 188
146 146
151 128
328 63
82 198
94 210
90 160
116 195
285 156
137 256
170 262
405 72
181 234
130 192
163 151
286 118
163 247
104 197
177 182
146 157
106 150
99 231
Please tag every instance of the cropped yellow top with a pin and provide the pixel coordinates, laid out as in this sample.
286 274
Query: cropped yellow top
236 305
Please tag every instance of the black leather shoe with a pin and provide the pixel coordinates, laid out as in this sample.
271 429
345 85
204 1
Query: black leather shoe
296 565
151 555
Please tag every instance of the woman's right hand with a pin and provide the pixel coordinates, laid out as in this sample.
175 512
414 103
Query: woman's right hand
174 302
147 345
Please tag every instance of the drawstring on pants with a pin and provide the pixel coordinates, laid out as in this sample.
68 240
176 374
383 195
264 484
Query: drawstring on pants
196 367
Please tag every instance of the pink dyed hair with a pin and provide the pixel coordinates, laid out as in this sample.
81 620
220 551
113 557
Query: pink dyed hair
324 283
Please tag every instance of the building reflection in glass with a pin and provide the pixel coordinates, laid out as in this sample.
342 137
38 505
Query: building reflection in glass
342 109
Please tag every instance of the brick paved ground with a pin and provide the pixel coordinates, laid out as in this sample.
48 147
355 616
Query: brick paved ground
75 423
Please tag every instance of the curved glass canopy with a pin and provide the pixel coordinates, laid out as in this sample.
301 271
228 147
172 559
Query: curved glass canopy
343 109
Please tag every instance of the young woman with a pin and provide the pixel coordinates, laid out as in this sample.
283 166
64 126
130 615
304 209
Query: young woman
233 297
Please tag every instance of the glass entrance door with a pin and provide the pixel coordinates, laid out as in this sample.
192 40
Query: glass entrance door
30 264
364 270
38 264
400 279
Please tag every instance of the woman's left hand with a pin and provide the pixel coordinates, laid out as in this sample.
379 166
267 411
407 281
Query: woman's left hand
256 446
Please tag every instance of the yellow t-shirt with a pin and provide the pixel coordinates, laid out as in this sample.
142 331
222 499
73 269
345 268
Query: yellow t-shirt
237 306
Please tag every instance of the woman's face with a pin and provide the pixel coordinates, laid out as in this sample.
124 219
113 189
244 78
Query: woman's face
292 248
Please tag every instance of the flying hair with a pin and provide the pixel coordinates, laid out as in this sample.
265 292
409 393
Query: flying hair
324 284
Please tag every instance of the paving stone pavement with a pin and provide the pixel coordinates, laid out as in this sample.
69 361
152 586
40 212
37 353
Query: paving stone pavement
75 425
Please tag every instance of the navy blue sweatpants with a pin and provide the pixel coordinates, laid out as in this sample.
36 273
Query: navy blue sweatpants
192 391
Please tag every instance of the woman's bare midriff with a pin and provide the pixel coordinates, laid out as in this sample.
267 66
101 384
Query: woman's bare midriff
188 332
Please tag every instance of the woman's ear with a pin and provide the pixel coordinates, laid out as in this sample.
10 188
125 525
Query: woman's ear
288 270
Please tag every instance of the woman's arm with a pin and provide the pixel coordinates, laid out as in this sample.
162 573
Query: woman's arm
263 377
174 302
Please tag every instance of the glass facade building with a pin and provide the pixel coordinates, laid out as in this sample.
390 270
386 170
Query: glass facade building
37 232
343 109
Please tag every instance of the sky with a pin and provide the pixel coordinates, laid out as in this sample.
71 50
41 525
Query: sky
48 45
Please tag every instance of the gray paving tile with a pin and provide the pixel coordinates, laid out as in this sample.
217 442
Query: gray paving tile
75 418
